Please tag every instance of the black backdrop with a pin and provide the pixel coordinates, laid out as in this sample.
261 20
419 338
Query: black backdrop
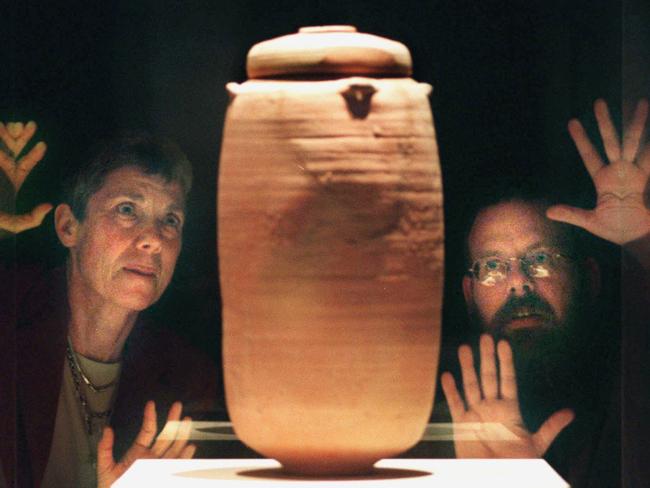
507 76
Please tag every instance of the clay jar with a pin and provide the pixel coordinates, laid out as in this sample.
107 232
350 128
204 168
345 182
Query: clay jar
331 251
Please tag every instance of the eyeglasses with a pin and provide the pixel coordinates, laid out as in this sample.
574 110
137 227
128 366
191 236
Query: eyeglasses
492 270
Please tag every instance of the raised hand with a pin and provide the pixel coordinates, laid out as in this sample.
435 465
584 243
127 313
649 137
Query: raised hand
15 137
170 443
494 400
621 215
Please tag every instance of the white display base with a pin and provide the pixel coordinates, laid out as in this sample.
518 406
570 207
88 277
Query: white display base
429 473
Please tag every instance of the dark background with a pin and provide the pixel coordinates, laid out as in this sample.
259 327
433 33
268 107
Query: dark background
507 77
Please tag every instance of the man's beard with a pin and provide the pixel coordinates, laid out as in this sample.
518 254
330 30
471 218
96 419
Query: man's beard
528 306
547 356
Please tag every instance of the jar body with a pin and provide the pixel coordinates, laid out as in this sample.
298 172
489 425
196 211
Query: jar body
330 242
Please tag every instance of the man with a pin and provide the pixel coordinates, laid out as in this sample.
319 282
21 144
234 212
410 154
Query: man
86 364
530 288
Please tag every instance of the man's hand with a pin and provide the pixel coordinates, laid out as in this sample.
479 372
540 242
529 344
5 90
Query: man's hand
170 443
495 400
15 136
620 215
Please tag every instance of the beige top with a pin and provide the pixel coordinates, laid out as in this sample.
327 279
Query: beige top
73 453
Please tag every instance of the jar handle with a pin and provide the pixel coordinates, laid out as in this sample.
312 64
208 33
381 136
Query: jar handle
233 89
426 89
357 97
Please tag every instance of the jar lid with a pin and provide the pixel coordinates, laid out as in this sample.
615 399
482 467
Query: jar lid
328 50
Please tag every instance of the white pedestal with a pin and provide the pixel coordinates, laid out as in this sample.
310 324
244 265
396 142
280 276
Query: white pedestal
397 473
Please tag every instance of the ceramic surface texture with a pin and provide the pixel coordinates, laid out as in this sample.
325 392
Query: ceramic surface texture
331 262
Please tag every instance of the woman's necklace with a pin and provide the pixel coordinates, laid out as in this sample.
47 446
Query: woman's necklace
77 376
84 377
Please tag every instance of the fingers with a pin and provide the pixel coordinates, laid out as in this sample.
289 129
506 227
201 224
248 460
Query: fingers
188 452
607 130
643 161
20 223
7 222
489 380
39 212
5 135
634 133
507 369
169 433
454 401
15 129
105 449
8 166
148 430
585 148
140 447
570 215
171 443
551 428
17 172
613 148
28 132
105 460
182 436
27 163
470 381
16 136
175 412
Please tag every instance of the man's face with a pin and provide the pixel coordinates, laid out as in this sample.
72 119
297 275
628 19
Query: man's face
125 250
520 304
